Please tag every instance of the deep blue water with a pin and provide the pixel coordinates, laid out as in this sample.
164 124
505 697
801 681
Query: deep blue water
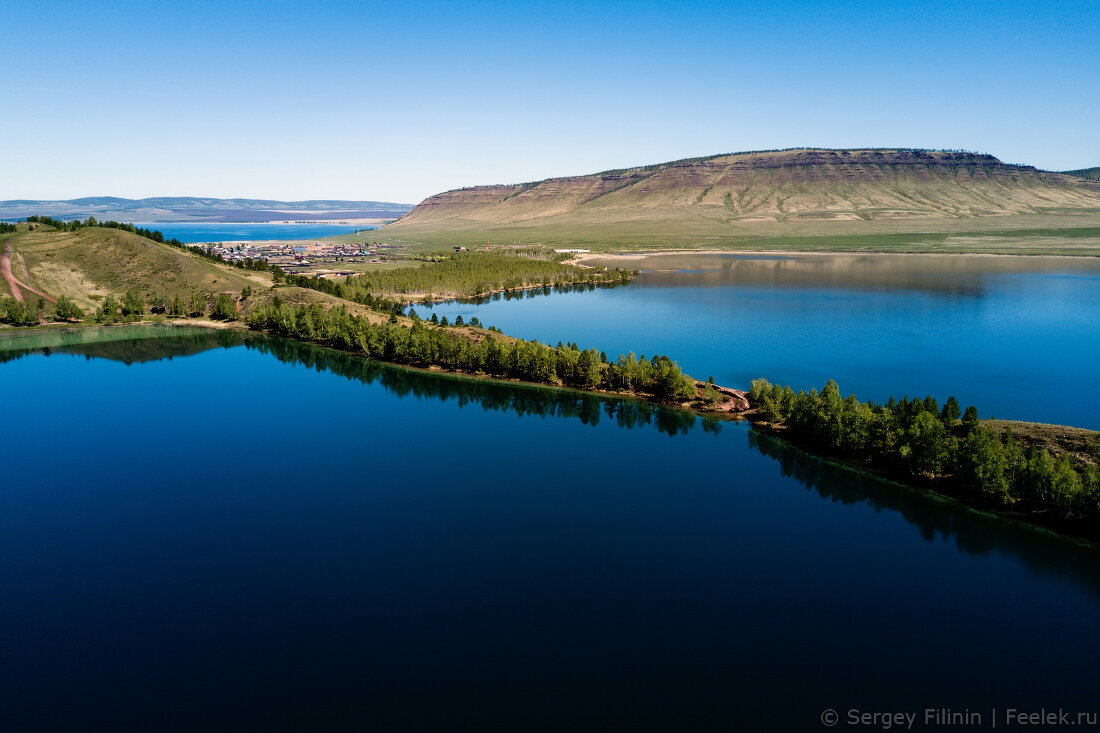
194 232
273 536
1017 337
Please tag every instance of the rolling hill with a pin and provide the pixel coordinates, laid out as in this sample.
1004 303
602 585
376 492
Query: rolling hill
93 262
724 199
200 209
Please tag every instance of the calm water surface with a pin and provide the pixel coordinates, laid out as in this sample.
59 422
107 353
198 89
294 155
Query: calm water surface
212 530
1018 337
219 232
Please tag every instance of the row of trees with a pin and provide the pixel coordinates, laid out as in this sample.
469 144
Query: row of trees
475 273
473 352
132 307
589 408
18 313
914 437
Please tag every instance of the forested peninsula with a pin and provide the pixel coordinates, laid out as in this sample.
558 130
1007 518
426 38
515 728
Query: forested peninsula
916 441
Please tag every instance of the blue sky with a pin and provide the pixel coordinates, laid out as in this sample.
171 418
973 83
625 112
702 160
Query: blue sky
396 101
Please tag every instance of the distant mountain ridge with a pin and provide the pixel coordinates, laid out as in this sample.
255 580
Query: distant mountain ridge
736 195
197 209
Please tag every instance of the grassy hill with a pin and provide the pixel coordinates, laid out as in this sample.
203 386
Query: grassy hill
729 200
92 261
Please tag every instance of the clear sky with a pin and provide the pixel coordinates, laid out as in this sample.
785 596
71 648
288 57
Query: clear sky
396 101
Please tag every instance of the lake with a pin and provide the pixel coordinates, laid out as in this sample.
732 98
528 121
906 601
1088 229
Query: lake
210 529
191 232
1018 337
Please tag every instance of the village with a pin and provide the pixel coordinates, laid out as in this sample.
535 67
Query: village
320 258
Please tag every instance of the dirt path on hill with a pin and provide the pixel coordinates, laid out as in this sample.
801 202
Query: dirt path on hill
15 284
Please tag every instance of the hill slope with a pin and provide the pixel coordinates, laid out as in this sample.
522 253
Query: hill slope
730 197
95 261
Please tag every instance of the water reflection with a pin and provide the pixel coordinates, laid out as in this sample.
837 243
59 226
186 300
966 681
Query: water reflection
937 274
528 293
973 533
519 399
138 344
128 344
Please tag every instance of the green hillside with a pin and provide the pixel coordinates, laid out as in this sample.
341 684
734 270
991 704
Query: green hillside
728 200
94 261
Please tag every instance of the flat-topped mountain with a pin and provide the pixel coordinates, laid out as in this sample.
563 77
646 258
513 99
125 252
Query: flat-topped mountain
800 191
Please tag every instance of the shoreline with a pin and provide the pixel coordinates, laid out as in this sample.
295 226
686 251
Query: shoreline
1064 528
636 256
432 299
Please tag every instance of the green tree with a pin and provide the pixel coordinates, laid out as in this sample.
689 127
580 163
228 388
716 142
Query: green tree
198 305
927 442
224 308
133 305
67 310
949 415
982 463
108 310
970 419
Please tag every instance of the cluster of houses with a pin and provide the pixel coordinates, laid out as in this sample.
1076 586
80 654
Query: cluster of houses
322 259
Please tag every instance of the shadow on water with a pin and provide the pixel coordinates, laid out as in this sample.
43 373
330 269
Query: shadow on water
974 533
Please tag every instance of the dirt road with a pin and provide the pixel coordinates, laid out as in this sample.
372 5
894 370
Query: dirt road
15 284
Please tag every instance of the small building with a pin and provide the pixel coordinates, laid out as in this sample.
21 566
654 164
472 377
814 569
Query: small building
460 249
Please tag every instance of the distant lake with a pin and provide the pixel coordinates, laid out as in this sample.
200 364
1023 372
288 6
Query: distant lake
216 530
1018 337
194 232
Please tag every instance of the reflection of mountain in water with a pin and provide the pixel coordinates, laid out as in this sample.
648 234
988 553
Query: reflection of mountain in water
937 274
974 533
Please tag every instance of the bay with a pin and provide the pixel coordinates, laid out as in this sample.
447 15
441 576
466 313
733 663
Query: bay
1017 337
213 529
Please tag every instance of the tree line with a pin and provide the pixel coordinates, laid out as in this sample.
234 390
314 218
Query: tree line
470 274
917 438
17 313
474 351
590 409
